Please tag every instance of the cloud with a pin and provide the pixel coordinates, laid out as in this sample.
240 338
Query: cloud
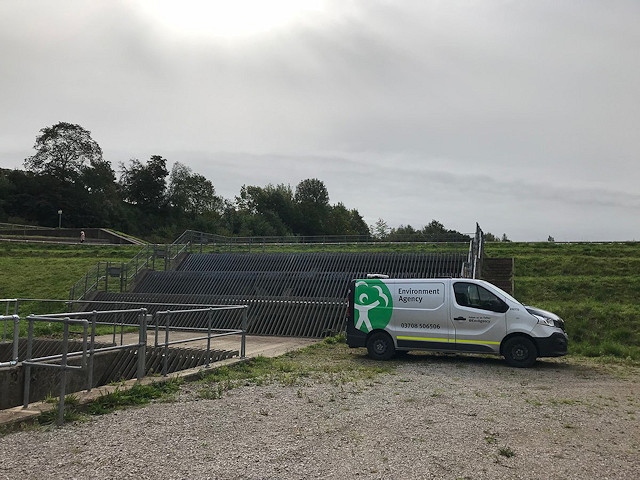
520 114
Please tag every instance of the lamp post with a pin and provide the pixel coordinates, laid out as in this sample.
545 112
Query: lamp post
59 218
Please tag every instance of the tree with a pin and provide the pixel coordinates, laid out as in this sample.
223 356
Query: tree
62 151
272 204
346 222
312 204
145 185
312 192
380 229
191 193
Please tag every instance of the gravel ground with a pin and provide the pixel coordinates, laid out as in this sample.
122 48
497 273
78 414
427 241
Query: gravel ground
433 417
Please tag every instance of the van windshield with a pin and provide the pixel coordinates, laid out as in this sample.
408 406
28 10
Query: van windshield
498 290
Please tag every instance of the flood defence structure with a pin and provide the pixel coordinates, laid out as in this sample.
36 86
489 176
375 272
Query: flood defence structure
298 294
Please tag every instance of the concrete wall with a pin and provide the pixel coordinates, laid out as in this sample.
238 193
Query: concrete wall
46 381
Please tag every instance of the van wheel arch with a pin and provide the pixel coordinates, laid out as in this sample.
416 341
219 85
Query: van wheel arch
519 350
380 345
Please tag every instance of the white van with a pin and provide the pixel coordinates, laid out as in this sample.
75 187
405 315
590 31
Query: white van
449 315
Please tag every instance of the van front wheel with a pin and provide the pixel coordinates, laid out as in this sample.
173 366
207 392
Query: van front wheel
520 352
380 346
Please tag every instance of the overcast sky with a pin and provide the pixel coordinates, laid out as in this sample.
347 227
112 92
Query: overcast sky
523 116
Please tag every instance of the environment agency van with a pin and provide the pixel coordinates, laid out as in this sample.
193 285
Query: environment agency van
449 315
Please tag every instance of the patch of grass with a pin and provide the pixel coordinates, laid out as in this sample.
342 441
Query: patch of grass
71 411
329 361
139 394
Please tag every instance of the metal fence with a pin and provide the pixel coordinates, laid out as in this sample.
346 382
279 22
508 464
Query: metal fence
137 318
121 276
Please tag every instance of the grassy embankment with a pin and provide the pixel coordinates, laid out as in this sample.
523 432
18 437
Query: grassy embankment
592 286
47 271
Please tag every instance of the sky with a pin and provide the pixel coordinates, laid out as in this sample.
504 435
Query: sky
521 116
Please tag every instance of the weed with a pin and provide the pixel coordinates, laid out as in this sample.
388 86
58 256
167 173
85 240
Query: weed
490 439
71 411
506 452
139 394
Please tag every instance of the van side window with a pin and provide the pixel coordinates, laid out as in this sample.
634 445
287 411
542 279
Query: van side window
475 296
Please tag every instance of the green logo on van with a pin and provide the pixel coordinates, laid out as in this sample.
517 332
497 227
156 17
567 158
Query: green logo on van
372 305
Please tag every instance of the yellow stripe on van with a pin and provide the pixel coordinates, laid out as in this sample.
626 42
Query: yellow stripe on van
478 342
425 339
447 340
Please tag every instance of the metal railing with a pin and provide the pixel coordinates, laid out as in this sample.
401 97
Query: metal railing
63 357
121 276
201 238
90 320
219 332
86 355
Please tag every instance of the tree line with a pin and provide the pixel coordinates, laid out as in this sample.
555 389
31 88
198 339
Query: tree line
68 173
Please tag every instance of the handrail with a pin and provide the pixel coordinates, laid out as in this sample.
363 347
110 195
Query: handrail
97 279
223 331
198 238
44 361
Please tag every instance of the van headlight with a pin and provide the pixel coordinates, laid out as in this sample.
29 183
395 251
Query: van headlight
545 321
548 319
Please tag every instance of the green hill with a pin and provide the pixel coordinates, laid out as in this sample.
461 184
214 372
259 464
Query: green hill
593 286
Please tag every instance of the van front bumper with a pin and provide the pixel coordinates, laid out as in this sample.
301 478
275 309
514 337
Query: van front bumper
554 346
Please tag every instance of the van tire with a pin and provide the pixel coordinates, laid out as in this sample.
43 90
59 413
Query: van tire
380 346
520 352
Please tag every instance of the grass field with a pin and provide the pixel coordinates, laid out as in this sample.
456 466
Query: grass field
593 286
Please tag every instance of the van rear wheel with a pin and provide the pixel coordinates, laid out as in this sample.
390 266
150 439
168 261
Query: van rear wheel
380 346
520 352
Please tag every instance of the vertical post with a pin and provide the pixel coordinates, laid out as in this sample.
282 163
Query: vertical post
165 360
63 373
166 257
142 344
245 323
156 323
121 325
16 336
92 347
27 368
209 314
4 327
